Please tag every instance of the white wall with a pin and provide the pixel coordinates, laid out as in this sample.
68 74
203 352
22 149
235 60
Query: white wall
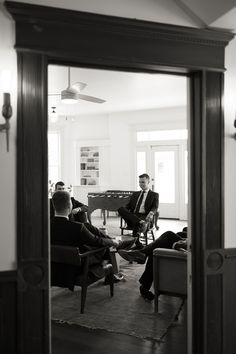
8 159
116 134
230 146
165 11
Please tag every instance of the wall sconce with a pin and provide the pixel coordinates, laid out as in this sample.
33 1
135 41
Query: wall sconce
53 115
235 127
7 113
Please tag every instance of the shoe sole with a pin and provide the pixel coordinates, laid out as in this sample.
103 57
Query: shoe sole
131 258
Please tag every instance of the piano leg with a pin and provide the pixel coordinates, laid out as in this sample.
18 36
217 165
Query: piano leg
104 217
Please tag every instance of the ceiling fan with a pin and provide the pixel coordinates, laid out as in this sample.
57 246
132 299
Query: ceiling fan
72 93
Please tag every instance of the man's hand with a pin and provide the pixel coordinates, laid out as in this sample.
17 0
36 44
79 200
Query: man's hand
180 245
76 210
115 243
149 216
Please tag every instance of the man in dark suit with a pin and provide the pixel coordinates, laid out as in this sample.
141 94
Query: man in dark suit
169 240
79 210
83 235
140 210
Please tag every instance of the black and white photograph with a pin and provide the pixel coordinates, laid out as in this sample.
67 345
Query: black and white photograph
118 198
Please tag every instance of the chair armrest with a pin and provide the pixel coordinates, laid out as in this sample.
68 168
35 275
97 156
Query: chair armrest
65 254
93 251
71 254
169 253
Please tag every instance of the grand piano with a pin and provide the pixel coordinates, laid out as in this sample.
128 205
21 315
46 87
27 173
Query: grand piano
110 200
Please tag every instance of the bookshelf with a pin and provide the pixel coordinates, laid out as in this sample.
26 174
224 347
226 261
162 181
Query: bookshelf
89 165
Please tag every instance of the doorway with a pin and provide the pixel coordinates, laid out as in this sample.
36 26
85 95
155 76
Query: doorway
81 132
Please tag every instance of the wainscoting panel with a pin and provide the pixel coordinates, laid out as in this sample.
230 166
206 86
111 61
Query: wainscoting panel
8 315
229 304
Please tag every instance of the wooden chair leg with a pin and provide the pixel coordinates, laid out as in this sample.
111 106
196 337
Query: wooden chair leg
180 308
153 237
83 297
146 237
156 299
112 285
110 279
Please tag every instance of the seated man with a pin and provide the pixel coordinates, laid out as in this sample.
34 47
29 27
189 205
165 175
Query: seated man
168 239
69 233
79 210
140 210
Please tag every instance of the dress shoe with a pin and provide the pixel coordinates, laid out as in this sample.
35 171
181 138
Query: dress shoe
137 245
146 294
126 244
133 256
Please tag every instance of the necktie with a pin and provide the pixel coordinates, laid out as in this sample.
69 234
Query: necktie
139 202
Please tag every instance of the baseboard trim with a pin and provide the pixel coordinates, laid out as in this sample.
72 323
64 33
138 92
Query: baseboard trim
8 275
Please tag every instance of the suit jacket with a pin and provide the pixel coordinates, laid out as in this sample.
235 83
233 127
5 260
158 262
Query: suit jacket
75 204
69 233
151 202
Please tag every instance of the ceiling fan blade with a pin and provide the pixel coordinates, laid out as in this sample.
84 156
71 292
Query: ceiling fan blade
79 86
90 98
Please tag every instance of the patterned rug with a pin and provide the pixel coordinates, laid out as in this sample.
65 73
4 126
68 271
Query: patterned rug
127 312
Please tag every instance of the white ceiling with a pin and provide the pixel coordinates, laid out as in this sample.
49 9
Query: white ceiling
177 12
122 91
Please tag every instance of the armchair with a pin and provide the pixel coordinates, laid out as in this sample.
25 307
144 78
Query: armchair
69 267
169 274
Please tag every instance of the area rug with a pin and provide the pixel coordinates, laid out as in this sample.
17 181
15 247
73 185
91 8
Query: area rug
127 312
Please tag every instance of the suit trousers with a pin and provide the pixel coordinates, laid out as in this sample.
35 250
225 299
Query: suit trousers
132 219
166 240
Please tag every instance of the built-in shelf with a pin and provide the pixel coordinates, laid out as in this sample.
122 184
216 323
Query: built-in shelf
89 165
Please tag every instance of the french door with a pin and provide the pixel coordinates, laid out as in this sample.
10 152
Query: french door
169 179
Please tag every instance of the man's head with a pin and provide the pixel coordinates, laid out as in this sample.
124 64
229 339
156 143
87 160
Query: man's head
60 186
62 203
144 180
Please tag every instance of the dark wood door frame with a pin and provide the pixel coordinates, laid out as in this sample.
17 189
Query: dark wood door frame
48 35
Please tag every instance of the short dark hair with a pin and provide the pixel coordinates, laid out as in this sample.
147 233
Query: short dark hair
61 200
145 175
59 183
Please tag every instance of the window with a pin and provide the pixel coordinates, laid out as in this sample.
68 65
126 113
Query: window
177 134
53 156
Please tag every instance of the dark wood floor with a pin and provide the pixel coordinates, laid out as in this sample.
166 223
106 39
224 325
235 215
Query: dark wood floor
74 340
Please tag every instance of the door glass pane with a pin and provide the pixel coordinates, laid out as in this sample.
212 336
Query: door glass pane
165 175
141 164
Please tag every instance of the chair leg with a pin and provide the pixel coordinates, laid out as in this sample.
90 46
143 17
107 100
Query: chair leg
146 237
83 297
156 299
111 282
153 237
180 308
